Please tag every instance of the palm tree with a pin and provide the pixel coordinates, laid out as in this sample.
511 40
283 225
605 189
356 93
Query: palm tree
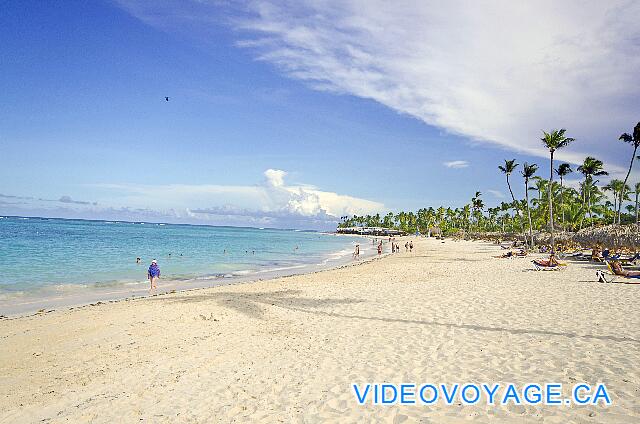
635 142
630 209
507 169
613 186
528 171
554 141
563 170
590 167
477 205
539 185
620 193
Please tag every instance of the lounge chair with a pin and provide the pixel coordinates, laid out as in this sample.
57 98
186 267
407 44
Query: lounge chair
577 256
611 277
629 260
541 266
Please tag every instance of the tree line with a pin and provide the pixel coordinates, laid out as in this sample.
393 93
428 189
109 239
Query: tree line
548 204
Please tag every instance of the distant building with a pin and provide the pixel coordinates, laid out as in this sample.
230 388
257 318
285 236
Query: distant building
370 231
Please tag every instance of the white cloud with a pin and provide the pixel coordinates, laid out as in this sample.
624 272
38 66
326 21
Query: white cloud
273 203
496 193
456 164
275 177
493 71
498 72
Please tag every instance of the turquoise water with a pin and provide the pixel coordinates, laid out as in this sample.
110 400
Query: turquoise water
37 253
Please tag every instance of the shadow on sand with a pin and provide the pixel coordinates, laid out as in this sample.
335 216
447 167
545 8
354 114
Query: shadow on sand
254 305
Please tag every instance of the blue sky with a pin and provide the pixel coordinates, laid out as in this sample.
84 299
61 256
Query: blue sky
291 114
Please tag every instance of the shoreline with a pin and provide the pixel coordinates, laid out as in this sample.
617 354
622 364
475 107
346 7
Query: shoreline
96 295
288 349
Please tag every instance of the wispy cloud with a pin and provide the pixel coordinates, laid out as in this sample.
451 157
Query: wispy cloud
496 193
68 199
492 71
9 196
497 72
455 164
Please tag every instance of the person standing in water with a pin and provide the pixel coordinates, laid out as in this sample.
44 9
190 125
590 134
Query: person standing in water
153 274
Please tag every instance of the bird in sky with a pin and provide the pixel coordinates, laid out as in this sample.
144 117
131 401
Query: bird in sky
166 98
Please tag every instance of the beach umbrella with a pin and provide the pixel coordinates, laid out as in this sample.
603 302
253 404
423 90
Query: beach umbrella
611 236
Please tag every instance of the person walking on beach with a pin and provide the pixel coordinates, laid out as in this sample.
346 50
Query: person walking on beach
356 252
380 248
153 274
411 246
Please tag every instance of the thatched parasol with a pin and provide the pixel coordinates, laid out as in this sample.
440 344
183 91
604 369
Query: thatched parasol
611 236
561 237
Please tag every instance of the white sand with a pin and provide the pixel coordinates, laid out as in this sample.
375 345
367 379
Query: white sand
287 350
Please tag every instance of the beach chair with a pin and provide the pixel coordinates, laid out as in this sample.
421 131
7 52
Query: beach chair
630 260
581 256
611 277
541 267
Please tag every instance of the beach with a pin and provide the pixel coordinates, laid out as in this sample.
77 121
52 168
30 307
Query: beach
289 349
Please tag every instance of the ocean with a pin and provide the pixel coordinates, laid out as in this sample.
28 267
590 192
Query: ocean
51 262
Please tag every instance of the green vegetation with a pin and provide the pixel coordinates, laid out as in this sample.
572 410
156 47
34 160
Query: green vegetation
551 205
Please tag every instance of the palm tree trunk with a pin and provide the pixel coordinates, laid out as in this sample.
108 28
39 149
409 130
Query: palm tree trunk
562 201
633 156
637 221
515 204
589 209
553 241
526 191
510 191
584 202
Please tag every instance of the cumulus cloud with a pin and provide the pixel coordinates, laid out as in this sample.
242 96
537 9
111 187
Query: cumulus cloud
275 177
275 196
271 203
456 164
